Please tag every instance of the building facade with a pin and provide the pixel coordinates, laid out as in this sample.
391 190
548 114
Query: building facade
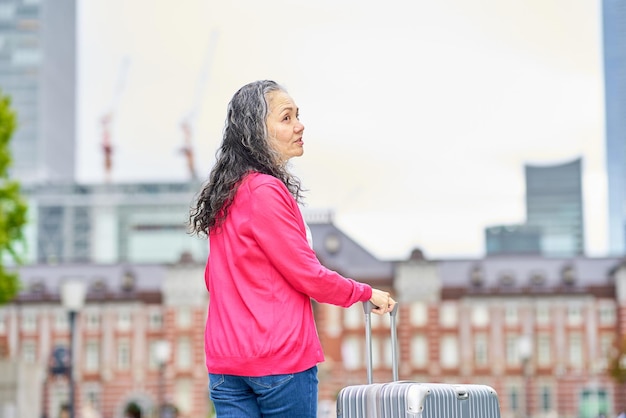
513 239
129 311
111 223
614 54
38 70
554 204
541 331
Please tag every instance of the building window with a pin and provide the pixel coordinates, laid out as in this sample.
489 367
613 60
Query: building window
353 317
333 320
387 352
544 350
92 356
383 321
92 396
183 317
506 279
123 355
155 320
480 316
512 358
26 56
29 352
545 398
607 315
376 320
511 315
592 401
351 352
7 12
514 402
575 350
183 353
92 321
58 396
419 314
574 315
375 351
124 321
449 352
419 351
61 322
183 400
481 350
153 364
448 315
29 322
543 315
606 345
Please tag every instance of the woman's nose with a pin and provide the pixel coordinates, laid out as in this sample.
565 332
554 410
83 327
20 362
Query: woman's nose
299 127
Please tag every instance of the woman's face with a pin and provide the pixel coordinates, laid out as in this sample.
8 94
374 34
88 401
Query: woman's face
283 126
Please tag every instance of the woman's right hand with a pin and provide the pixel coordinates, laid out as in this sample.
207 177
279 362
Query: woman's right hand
382 301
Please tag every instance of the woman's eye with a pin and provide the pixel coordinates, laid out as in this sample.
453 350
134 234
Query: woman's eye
287 118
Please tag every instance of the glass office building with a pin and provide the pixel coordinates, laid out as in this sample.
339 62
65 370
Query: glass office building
554 204
614 30
112 223
513 239
38 71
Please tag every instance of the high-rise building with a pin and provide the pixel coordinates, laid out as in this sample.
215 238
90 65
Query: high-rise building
614 30
108 223
554 204
554 215
38 71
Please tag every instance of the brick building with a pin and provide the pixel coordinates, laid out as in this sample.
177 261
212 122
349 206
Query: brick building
541 331
129 310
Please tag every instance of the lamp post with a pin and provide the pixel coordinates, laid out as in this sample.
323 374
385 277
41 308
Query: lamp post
525 350
162 355
73 298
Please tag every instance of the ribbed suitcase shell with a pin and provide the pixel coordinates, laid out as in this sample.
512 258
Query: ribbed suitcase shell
420 400
406 399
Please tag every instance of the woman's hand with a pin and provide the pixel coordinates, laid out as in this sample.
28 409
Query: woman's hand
382 301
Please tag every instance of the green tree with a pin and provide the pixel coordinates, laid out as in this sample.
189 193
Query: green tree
617 361
616 368
13 206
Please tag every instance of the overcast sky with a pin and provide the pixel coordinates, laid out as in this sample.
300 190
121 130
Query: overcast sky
419 115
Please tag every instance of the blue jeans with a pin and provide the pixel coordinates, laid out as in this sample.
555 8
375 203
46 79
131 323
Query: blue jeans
275 396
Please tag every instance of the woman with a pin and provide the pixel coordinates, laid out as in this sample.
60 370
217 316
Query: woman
261 343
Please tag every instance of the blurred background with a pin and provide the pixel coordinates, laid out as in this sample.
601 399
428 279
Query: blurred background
470 157
411 109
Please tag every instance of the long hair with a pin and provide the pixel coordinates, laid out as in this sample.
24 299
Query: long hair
245 148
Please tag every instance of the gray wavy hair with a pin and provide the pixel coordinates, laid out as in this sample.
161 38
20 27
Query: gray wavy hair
245 148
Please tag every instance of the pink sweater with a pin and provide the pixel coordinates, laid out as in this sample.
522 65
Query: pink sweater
261 275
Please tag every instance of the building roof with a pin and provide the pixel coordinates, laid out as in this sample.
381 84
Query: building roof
525 271
340 253
43 281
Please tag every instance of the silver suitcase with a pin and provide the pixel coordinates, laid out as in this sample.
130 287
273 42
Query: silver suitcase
399 399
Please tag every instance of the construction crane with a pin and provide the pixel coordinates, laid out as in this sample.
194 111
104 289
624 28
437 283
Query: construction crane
106 120
187 124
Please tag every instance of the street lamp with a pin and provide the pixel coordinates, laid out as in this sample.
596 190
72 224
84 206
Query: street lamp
162 355
525 351
73 298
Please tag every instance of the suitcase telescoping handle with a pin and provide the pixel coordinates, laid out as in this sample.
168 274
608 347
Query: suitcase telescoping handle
368 307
